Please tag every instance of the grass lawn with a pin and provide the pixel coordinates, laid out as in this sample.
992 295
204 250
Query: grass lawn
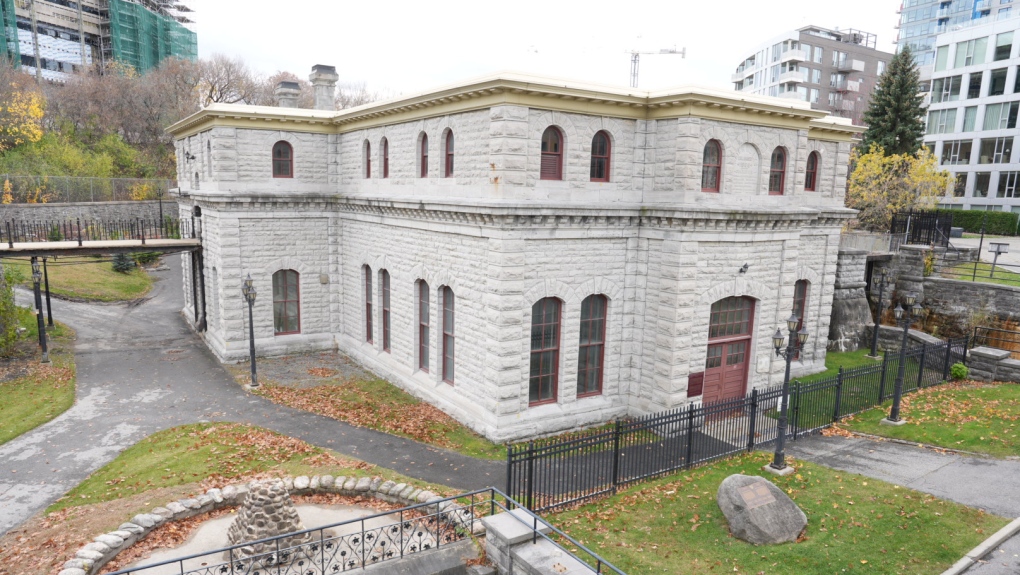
380 405
86 279
34 393
855 524
835 359
966 415
216 453
1002 276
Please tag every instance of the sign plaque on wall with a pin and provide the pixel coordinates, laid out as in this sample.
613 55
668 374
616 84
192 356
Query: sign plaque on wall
756 495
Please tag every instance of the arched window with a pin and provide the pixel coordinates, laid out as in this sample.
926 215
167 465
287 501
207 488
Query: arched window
800 301
368 159
368 303
423 325
600 157
811 176
545 351
591 352
384 285
448 337
777 172
385 158
552 154
448 156
711 167
283 160
424 156
286 302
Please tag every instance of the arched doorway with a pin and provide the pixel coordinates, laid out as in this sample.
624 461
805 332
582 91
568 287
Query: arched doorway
729 349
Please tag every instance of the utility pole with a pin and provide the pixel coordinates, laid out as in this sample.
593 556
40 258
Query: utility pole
35 41
635 60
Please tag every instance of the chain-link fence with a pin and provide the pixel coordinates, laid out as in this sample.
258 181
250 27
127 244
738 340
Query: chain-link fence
68 189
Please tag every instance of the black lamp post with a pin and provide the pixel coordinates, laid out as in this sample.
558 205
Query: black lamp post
248 290
793 347
904 319
880 280
159 196
36 278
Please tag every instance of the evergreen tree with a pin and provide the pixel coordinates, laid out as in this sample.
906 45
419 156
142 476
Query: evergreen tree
122 263
895 118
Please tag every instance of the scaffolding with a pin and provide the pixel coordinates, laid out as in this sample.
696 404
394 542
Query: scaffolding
9 33
142 33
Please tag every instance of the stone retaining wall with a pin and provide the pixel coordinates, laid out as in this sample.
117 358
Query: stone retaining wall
91 558
890 337
960 299
990 364
107 211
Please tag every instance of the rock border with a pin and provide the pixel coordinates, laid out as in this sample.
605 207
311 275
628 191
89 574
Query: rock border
96 554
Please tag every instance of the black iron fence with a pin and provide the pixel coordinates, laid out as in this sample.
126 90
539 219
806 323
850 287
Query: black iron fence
923 227
79 230
64 189
547 474
360 543
1003 339
967 264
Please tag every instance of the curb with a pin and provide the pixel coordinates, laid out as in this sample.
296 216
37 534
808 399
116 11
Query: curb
984 548
932 447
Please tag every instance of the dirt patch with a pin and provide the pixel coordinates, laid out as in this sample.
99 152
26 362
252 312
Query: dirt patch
304 370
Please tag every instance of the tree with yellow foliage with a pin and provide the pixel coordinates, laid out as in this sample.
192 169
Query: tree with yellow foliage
21 109
882 185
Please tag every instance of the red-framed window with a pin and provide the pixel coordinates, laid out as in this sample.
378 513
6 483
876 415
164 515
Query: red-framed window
368 159
384 285
730 317
424 157
423 326
545 351
552 154
385 158
286 302
800 301
811 176
777 172
283 160
600 153
711 167
448 156
591 353
368 303
449 341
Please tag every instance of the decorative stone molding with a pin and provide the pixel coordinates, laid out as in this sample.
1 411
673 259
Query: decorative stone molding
91 558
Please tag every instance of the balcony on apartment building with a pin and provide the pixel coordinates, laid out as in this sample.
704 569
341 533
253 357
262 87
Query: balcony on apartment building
739 75
793 77
849 65
847 86
797 55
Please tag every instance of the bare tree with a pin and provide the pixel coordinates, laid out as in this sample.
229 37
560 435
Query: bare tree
353 94
228 80
267 95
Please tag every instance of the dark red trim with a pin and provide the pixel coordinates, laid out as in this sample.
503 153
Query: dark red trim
424 157
600 343
368 159
777 172
423 326
449 340
384 279
287 299
711 167
601 153
811 176
385 158
283 160
552 155
368 304
448 173
540 351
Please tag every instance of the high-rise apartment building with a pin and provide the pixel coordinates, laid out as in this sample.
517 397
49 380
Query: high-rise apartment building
972 116
922 20
52 38
835 71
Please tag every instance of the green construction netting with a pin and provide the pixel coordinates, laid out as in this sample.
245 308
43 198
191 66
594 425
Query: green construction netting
143 38
9 32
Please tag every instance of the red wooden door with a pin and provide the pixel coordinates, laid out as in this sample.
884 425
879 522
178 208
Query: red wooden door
728 349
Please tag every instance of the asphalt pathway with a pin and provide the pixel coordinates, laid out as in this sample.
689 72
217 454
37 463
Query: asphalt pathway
142 370
984 483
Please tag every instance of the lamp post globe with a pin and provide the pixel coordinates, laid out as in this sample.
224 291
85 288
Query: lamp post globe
794 344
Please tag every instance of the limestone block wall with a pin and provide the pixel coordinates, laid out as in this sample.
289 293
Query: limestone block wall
967 300
990 364
850 311
106 211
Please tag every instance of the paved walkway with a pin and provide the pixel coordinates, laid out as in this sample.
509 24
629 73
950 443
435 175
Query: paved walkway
1012 258
989 484
141 370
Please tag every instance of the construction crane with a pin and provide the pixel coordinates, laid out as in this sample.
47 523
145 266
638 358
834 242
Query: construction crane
635 59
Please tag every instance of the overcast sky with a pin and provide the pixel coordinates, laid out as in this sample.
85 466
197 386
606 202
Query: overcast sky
403 47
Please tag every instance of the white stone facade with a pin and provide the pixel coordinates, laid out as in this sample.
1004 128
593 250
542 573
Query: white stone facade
657 247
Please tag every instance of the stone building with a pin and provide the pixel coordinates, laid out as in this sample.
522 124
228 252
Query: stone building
528 254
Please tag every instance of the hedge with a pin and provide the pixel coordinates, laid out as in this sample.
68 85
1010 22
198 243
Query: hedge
996 223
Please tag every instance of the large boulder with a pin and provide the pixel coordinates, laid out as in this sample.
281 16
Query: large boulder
759 512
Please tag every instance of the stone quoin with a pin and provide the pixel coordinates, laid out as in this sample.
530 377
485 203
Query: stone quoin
528 254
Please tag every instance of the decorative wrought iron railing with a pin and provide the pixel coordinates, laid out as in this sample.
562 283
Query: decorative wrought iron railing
923 227
79 230
373 540
548 474
1003 339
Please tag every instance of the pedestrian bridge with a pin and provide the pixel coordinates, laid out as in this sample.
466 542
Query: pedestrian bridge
94 237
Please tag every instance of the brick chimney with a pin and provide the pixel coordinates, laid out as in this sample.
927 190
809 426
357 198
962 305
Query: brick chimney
323 79
287 94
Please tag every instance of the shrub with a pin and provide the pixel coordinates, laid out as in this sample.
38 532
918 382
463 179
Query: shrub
8 310
995 223
122 263
55 235
145 258
959 371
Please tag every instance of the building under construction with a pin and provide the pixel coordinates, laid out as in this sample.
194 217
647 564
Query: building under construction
53 38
